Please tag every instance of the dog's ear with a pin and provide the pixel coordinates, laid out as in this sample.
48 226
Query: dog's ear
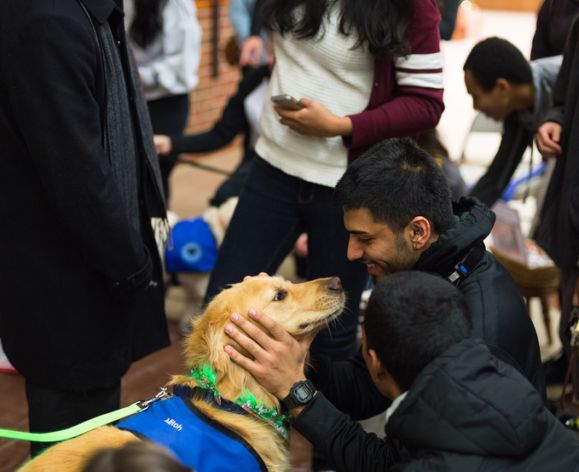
217 316
216 341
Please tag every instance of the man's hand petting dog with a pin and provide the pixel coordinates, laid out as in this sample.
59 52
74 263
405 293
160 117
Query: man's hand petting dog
278 359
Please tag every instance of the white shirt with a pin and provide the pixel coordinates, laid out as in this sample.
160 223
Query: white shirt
253 105
395 404
329 72
170 64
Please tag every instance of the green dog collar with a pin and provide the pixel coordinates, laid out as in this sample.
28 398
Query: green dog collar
206 377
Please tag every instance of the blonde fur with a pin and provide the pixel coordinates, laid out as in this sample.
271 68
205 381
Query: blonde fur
300 308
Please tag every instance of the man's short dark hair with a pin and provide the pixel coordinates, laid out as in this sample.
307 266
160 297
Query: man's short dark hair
413 317
396 181
496 58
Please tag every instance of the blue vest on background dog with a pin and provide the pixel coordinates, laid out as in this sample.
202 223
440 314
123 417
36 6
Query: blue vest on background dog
196 440
193 247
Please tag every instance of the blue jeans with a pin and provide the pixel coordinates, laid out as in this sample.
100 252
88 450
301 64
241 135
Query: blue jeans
273 210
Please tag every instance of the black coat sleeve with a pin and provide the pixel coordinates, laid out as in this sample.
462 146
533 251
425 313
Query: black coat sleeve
53 101
493 183
540 47
256 21
569 57
448 18
343 441
557 111
565 112
233 120
348 385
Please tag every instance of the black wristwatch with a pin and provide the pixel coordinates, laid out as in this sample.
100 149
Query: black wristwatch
301 393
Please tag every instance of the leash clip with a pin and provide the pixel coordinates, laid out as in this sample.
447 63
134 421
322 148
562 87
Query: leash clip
144 404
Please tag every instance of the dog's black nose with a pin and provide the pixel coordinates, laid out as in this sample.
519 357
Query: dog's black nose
335 284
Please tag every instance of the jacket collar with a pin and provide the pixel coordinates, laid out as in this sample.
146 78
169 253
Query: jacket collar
101 10
473 223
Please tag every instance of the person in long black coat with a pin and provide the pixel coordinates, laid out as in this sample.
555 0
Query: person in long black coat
558 228
80 276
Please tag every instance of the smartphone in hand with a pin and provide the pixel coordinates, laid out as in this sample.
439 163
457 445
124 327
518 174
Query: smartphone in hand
287 102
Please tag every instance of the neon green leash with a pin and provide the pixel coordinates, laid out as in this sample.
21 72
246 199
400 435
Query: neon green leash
206 378
84 427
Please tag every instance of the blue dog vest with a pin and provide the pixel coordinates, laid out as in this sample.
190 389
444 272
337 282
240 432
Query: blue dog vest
193 247
196 440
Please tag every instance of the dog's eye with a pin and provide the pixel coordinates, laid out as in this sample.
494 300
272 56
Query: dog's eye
280 295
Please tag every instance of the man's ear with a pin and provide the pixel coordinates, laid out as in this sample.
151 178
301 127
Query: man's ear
375 364
383 380
503 85
418 232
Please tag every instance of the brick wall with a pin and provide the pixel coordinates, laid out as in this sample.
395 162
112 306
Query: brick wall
208 99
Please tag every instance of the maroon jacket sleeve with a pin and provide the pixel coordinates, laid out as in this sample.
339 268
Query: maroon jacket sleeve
415 102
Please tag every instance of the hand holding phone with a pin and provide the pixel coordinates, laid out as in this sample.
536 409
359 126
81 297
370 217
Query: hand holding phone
314 119
287 102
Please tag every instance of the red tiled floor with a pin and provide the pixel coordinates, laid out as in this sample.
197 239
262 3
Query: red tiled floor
13 415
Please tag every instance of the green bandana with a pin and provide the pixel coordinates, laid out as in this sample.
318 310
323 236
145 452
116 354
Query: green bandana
205 377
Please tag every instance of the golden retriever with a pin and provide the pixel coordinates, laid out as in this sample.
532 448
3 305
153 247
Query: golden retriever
300 308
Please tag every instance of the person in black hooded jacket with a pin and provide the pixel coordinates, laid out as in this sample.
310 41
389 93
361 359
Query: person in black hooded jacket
455 407
398 213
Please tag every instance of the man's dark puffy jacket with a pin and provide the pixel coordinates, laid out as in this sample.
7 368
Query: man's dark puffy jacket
466 410
498 313
497 310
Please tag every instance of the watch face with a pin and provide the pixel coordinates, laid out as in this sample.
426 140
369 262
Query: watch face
303 393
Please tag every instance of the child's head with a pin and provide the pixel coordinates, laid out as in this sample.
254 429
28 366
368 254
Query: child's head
138 456
412 317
